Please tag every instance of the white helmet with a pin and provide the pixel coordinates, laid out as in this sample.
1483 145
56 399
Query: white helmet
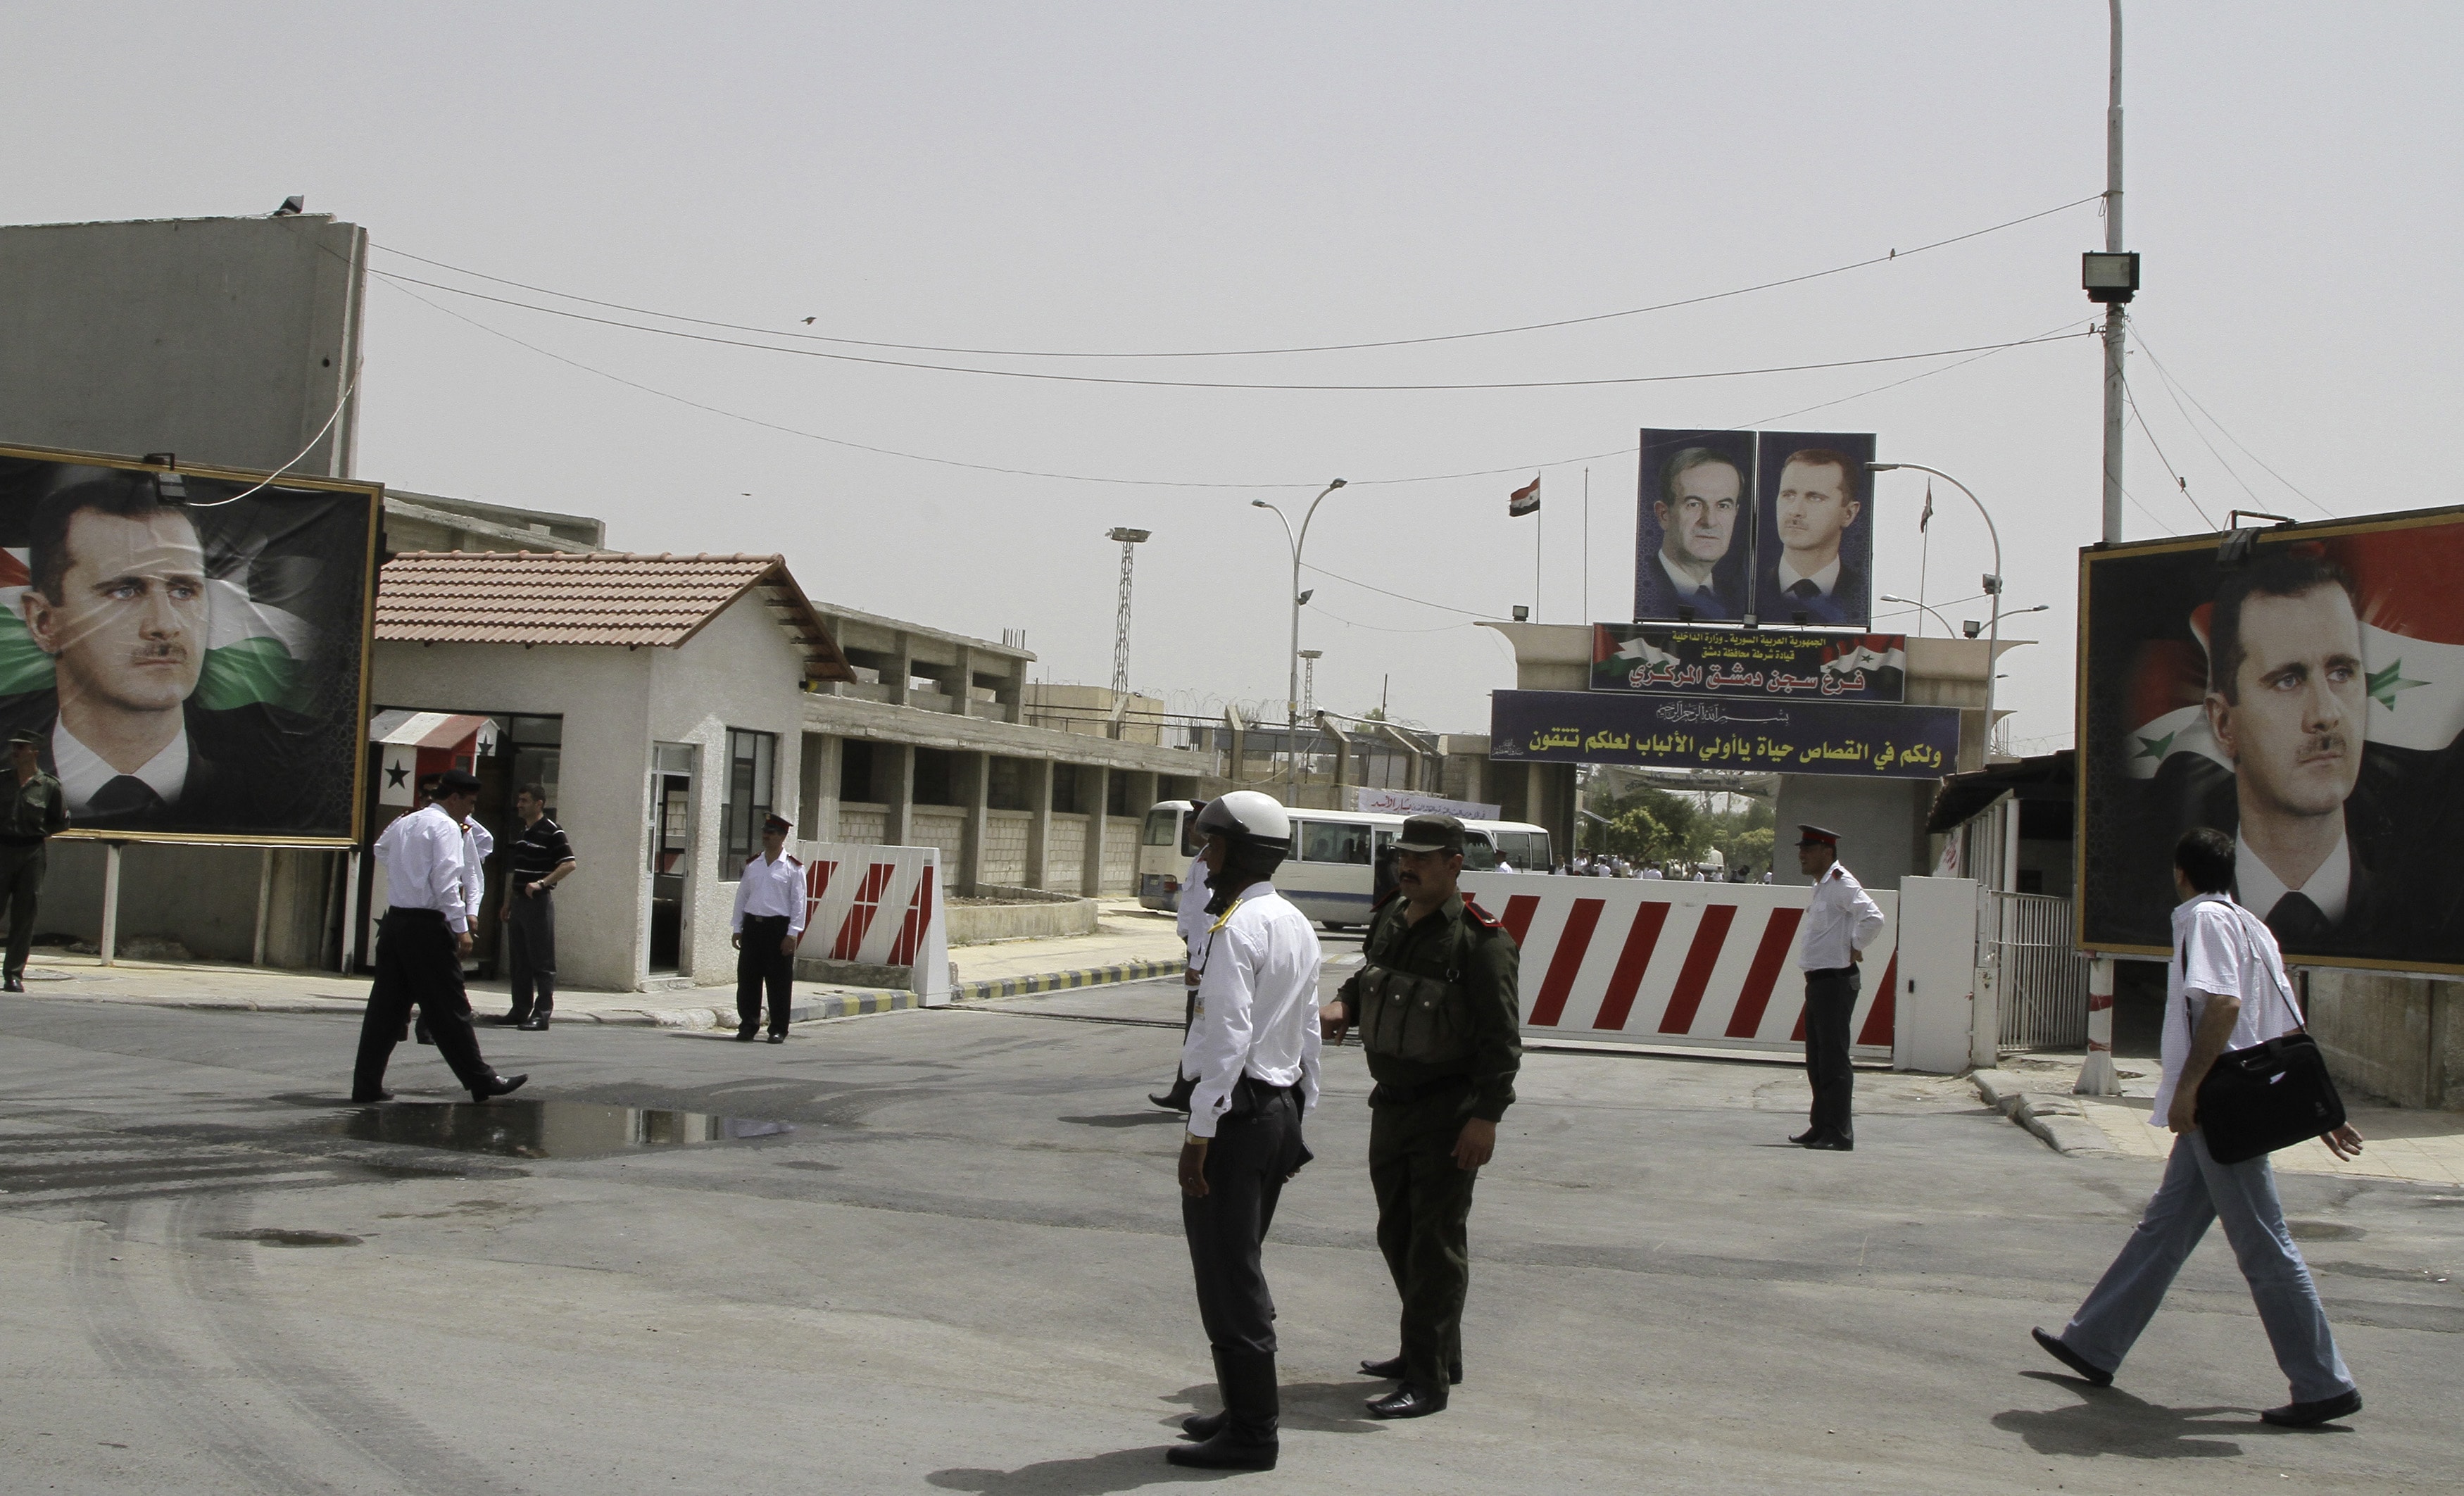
1245 815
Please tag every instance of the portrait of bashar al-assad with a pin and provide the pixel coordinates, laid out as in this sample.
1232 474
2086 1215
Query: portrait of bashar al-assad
117 599
1809 564
2288 699
1696 527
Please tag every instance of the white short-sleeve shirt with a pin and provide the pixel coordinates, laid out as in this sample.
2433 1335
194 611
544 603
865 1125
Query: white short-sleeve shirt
2219 947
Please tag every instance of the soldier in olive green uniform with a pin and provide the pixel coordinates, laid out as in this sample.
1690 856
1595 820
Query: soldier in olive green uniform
37 808
1435 999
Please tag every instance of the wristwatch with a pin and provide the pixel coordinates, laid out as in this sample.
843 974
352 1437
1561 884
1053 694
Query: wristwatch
1193 1140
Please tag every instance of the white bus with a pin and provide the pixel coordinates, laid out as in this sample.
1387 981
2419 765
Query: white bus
1331 875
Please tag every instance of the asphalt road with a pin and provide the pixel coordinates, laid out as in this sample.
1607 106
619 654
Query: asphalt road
961 1271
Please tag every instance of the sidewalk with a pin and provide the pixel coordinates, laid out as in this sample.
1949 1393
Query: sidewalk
1130 945
2420 1147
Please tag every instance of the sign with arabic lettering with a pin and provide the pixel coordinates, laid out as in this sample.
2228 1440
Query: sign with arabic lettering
1748 662
1772 737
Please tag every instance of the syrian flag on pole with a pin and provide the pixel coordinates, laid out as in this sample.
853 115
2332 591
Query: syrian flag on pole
1525 500
253 650
2412 653
1926 518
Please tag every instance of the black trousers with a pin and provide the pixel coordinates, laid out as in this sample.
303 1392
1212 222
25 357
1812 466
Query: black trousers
1257 1146
1830 1002
759 963
1423 1224
417 966
21 881
530 951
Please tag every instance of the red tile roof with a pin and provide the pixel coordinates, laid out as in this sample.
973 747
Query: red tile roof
602 597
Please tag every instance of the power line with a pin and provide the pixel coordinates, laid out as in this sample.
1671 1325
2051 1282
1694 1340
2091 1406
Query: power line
2179 482
1192 383
2166 375
1889 257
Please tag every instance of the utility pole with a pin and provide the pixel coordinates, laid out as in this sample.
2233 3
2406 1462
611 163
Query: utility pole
1129 541
2096 1076
1308 683
2116 318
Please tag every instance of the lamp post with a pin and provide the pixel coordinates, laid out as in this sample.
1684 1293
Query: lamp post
1130 539
1992 588
1893 597
1292 690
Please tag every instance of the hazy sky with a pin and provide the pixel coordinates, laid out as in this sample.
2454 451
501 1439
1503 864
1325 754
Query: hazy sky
1111 178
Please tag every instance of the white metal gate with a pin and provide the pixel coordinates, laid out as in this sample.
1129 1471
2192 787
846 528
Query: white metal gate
2043 983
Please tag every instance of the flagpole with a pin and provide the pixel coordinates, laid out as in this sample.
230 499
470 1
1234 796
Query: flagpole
1539 528
1924 553
1586 619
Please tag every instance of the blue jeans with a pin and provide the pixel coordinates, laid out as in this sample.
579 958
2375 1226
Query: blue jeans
2198 1190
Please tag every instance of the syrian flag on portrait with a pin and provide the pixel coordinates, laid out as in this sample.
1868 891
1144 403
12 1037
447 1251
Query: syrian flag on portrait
1525 500
253 649
2412 653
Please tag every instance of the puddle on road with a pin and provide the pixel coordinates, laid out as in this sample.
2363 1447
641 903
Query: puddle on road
272 1236
544 1129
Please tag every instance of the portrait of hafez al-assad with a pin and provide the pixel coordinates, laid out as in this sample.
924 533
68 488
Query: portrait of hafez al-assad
117 599
2287 701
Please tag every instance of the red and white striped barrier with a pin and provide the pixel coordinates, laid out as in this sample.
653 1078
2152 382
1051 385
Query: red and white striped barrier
1703 965
878 906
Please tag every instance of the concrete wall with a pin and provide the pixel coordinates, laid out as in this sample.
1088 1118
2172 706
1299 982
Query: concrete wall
225 340
2396 1039
1880 824
205 897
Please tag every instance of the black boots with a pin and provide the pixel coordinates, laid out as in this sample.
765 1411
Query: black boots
1175 1099
1243 1435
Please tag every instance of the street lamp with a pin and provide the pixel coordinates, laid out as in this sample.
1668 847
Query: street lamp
1130 539
1292 690
1893 597
1993 584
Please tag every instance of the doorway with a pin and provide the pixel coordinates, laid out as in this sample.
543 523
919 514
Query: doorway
671 775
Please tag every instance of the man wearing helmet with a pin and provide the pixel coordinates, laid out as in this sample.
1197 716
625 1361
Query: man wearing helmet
1251 1062
1435 999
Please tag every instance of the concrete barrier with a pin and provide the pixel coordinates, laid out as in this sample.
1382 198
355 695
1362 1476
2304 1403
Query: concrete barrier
1023 915
875 917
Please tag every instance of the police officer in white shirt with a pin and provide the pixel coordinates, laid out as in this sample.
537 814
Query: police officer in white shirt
1252 1058
769 920
430 882
1190 919
1840 923
2225 989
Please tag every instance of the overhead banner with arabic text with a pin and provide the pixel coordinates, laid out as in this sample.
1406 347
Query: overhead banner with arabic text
1774 737
1748 662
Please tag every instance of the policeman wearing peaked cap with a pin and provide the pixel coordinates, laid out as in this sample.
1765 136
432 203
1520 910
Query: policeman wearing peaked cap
769 920
1841 921
1435 999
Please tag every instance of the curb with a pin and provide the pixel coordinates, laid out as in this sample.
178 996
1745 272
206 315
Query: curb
2054 1116
1061 981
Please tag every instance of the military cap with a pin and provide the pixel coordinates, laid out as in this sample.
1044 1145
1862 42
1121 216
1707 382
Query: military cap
27 735
1430 834
1816 836
779 823
457 782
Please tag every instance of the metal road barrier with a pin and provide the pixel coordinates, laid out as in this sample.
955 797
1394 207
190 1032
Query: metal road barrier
2043 982
878 906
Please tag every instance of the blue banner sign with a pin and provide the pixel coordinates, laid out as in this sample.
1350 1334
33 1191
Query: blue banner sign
1748 662
1770 737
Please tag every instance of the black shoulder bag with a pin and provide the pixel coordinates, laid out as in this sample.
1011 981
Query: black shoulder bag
2271 1095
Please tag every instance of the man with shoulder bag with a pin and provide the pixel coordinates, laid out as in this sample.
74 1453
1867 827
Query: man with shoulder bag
2227 998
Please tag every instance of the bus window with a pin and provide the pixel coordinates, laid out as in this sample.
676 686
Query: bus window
1541 860
1514 849
1333 841
1478 856
1191 843
1162 823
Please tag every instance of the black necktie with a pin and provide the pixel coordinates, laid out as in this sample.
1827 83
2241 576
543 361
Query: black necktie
1805 589
2299 924
124 795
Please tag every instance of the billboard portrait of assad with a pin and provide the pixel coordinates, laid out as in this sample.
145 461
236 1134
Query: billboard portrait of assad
1814 548
2321 737
1694 526
190 660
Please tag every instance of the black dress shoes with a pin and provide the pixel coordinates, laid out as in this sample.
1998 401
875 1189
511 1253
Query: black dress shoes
361 1098
778 1039
1391 1369
1203 1425
12 984
1407 1402
1175 1099
2304 1414
535 1023
497 1085
2095 1377
1832 1143
747 1034
1806 1139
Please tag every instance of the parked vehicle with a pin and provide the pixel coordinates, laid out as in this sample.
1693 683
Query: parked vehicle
1331 876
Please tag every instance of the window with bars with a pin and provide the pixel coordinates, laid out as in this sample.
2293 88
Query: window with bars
752 759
